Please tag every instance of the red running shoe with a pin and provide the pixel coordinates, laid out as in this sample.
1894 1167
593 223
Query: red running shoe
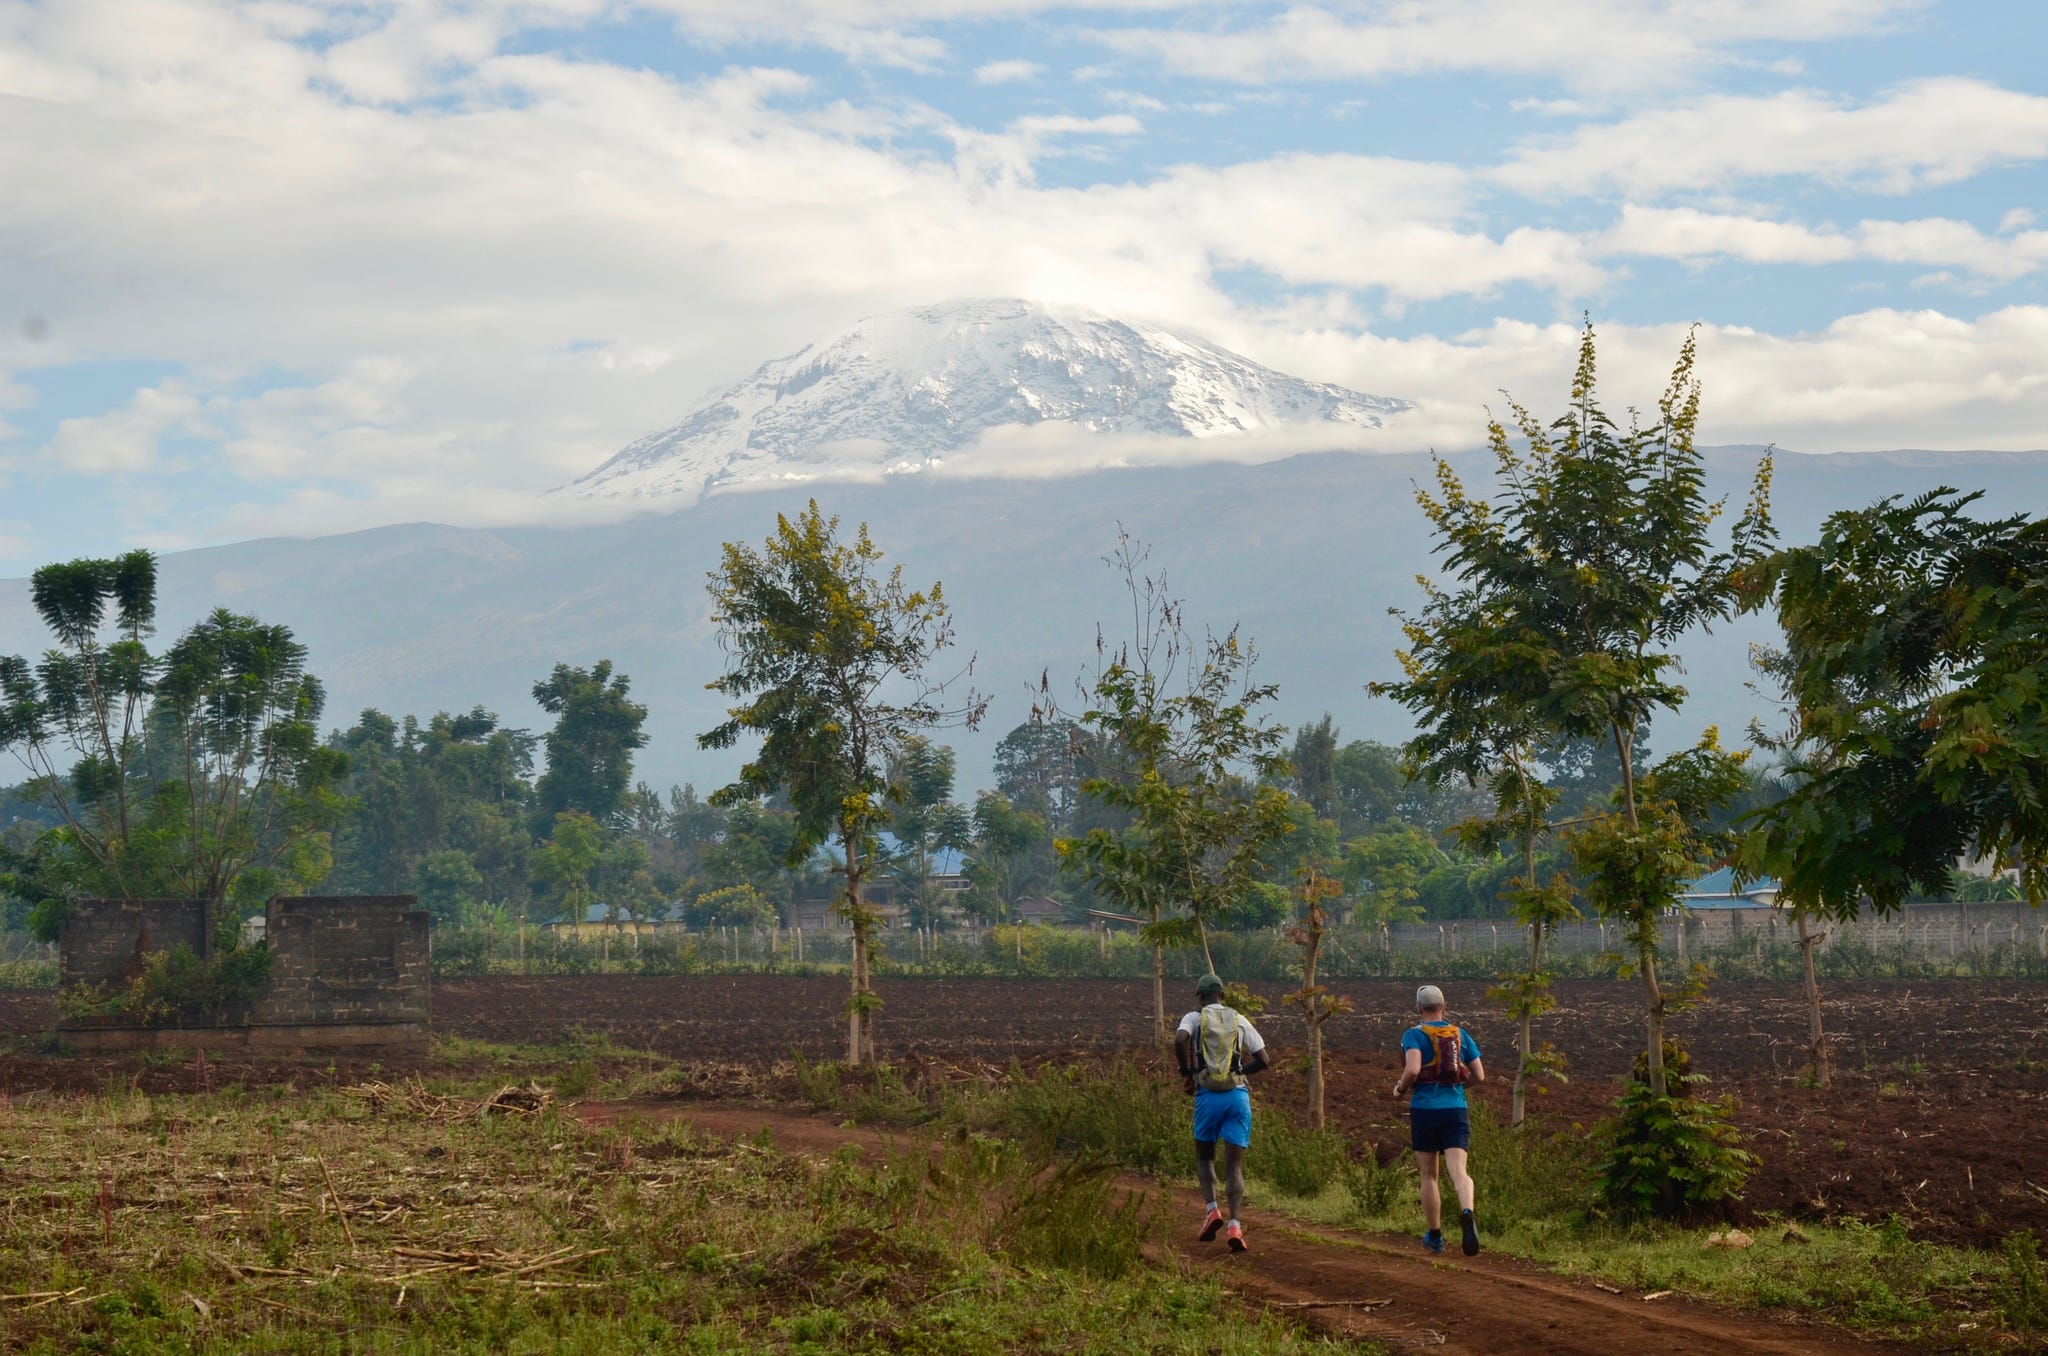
1210 1225
1234 1236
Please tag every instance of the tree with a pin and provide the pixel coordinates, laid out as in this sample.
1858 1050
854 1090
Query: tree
1318 1005
828 658
924 820
590 748
1595 560
1383 872
1011 854
1314 758
196 773
1195 775
1040 766
1913 632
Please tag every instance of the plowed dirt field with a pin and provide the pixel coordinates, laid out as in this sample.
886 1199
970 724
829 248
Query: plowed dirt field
1939 1113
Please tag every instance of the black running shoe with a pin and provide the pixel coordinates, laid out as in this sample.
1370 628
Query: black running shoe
1471 1229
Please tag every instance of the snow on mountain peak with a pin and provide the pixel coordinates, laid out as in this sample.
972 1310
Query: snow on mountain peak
986 386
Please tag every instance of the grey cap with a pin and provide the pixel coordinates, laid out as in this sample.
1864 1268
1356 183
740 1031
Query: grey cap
1208 984
1428 996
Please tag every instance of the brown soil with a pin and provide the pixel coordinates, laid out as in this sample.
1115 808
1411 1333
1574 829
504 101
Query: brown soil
1354 1285
1939 1114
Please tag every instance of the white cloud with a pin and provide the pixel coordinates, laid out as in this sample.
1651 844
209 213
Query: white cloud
1876 380
470 276
1008 72
1690 234
1928 132
123 441
1589 44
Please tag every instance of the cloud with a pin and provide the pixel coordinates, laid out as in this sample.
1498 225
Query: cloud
123 441
1588 44
1689 234
1007 72
1876 380
1928 132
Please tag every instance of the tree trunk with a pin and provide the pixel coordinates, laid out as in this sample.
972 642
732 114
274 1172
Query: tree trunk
860 1039
1158 985
1653 1004
1807 941
1312 1011
1519 1105
1646 944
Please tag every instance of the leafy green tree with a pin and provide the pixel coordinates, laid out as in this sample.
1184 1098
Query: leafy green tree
1196 776
1010 856
1314 759
590 748
456 784
828 658
566 865
1040 766
1595 560
1913 631
924 820
1383 873
758 848
450 887
196 773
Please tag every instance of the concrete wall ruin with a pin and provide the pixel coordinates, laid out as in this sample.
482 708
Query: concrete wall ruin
346 972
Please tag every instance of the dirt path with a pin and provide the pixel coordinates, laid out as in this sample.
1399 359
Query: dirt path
1487 1304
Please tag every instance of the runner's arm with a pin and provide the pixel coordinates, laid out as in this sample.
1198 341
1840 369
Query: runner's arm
1255 1061
1475 1071
1411 1069
1184 1059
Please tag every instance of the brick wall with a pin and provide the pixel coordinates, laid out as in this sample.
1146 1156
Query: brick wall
104 940
345 958
347 970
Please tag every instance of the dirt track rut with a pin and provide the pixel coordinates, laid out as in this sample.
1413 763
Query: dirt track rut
1487 1304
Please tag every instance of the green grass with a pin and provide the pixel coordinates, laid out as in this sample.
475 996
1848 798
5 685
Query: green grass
218 1232
1536 1201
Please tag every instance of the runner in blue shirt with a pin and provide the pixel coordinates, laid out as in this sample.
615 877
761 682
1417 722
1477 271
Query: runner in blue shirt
1439 1128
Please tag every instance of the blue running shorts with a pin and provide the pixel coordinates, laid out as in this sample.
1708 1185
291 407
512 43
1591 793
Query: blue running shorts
1224 1115
1431 1130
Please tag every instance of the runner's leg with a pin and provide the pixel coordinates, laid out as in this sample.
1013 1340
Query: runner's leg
1233 1177
1205 1168
1461 1180
1432 1195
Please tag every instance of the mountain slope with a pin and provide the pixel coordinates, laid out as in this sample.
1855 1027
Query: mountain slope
919 389
1307 553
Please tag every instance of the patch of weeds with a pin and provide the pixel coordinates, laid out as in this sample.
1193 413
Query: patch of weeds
1296 1160
577 1079
1073 1217
1118 1111
1373 1187
2025 1297
820 1084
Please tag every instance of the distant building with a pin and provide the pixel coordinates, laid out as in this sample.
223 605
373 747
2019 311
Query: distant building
1717 890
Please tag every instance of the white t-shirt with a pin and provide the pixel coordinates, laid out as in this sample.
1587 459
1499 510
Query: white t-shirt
1248 1038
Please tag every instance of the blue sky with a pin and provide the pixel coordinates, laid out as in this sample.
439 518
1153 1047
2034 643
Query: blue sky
295 268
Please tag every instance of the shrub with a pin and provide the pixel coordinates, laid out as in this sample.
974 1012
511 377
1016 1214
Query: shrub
1671 1156
1297 1160
176 987
2026 1295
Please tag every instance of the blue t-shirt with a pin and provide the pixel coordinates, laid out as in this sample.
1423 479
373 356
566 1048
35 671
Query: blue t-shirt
1437 1096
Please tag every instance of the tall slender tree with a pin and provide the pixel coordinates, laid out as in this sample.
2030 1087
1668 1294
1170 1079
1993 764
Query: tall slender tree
829 661
1195 778
1596 558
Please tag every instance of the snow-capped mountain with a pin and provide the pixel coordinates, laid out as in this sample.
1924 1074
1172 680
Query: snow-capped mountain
955 385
